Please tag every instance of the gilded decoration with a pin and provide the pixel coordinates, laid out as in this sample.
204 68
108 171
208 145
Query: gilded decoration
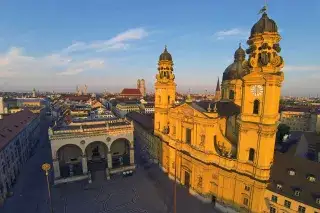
199 184
202 140
187 111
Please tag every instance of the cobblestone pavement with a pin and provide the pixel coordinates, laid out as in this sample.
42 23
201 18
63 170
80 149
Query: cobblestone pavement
147 191
140 193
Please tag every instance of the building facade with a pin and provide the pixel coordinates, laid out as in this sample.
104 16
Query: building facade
143 132
104 145
19 133
301 119
224 150
123 108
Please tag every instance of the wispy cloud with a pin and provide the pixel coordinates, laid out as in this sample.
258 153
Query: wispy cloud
15 63
234 32
79 67
120 41
302 68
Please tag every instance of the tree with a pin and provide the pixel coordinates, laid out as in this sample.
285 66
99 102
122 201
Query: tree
283 129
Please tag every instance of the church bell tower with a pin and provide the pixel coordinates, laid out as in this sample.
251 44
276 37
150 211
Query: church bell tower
165 92
260 103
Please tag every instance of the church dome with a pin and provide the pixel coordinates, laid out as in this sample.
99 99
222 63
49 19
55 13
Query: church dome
265 24
165 56
240 54
235 70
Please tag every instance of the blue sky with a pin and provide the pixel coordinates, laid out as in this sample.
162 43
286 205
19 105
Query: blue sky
58 44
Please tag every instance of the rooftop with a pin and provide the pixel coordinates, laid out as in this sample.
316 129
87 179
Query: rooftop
224 108
128 91
291 172
145 121
91 125
13 124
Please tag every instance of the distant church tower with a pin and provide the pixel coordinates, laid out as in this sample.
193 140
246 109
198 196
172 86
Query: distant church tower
259 113
165 91
141 85
34 94
217 95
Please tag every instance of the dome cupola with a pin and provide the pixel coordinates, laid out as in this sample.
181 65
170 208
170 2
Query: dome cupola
265 24
236 69
240 54
165 56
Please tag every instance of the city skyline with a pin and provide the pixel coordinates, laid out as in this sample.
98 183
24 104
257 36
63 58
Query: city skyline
110 45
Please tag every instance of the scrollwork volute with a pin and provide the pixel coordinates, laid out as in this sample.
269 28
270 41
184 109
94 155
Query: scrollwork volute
165 74
263 52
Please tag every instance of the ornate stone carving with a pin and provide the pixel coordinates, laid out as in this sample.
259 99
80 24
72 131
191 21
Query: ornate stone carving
202 140
264 58
187 112
199 184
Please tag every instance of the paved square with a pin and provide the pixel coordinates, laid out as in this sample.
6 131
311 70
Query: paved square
147 191
130 194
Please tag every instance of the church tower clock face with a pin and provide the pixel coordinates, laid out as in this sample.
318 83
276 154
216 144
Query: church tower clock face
257 90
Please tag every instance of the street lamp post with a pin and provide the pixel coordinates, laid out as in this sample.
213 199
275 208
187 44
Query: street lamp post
46 167
175 183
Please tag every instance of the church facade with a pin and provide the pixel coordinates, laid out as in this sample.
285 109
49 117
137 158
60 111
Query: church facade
224 150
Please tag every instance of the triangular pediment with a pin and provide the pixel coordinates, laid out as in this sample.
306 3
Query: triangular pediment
189 110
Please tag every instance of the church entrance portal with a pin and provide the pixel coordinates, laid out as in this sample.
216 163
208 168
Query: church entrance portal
187 179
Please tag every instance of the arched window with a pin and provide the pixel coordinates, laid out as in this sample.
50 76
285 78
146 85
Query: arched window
222 93
256 107
169 99
251 154
231 94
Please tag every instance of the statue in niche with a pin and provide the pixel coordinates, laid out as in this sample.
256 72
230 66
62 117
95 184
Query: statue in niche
199 182
202 140
264 58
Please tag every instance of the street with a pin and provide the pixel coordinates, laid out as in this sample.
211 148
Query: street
30 191
148 190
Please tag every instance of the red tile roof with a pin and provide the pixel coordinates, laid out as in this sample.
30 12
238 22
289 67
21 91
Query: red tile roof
131 92
13 124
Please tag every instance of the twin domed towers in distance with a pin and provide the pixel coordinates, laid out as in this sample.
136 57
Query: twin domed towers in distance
141 85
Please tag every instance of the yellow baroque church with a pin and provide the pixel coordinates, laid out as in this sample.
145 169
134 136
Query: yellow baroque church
224 150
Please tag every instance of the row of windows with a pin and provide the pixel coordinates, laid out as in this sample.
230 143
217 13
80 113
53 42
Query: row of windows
287 204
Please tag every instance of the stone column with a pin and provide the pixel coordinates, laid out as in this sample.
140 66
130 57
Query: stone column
109 158
131 156
84 165
56 168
